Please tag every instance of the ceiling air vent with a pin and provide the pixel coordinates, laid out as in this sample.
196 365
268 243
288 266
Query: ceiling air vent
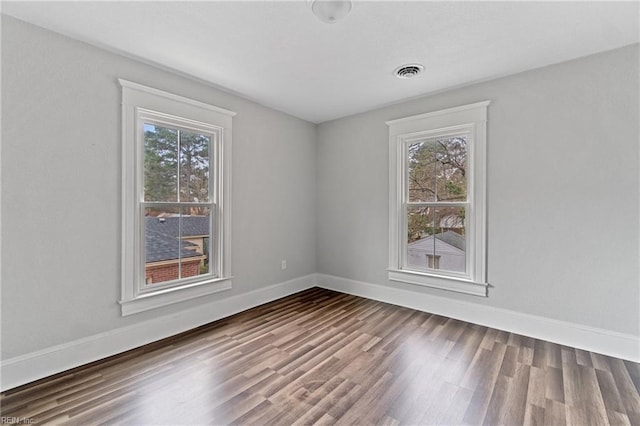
408 71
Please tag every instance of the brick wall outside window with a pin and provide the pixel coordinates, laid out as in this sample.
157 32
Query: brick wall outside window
162 273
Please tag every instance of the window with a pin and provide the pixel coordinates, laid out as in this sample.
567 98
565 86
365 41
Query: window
433 261
176 205
437 199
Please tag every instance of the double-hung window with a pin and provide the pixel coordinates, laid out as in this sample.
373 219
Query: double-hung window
437 199
176 206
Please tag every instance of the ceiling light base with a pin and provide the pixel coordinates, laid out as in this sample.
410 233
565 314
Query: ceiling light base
330 11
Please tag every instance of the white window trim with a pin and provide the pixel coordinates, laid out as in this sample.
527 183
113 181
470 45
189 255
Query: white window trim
136 99
472 119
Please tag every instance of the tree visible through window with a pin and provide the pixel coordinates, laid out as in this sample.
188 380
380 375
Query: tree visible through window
176 164
437 197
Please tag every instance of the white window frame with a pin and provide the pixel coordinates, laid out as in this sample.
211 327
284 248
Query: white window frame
145 104
470 120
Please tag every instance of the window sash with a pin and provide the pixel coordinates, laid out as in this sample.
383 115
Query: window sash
434 136
404 242
146 116
213 248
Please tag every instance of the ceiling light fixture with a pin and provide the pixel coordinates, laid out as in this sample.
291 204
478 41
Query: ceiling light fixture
330 11
408 71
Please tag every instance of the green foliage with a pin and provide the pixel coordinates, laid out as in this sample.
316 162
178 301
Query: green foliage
454 189
436 173
176 165
160 163
420 223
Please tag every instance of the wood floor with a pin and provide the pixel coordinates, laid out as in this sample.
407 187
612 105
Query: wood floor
321 357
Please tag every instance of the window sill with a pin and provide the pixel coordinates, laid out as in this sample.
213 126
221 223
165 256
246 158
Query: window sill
458 285
164 297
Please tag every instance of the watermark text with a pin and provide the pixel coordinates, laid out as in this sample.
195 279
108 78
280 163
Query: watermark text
8 420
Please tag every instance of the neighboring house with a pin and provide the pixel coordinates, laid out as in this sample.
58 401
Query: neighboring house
446 251
164 249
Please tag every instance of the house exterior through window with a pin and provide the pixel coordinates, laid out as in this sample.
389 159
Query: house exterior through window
176 215
437 199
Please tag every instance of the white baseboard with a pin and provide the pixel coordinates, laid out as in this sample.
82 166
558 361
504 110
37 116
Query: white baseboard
606 342
37 365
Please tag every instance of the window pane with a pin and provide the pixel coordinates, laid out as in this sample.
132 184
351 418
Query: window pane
422 171
160 163
436 238
194 234
161 245
450 239
420 229
437 170
194 167
176 243
452 163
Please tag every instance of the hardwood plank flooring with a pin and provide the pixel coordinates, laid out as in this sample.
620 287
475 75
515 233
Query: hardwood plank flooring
321 357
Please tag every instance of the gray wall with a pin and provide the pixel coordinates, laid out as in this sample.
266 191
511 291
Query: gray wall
61 188
562 191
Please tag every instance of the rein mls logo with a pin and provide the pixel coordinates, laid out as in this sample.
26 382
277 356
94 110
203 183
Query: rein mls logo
16 420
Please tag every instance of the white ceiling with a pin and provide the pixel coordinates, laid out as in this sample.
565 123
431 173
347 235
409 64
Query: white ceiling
280 55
